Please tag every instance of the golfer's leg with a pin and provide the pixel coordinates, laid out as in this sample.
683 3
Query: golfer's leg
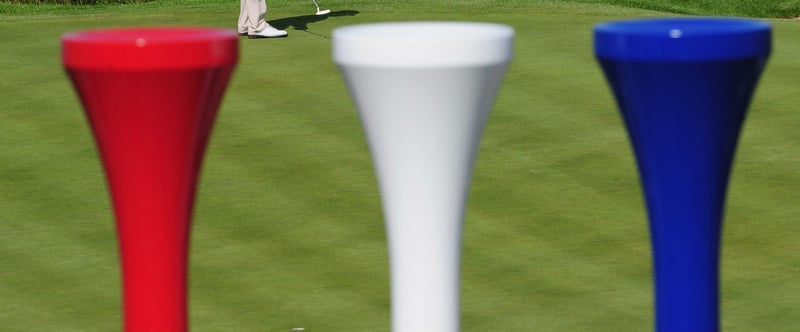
242 25
256 13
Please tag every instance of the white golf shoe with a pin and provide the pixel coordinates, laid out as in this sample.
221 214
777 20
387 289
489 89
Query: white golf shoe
267 32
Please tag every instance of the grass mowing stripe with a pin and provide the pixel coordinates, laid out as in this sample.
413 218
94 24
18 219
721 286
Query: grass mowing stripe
750 8
288 230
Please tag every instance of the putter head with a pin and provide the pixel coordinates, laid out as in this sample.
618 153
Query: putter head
323 12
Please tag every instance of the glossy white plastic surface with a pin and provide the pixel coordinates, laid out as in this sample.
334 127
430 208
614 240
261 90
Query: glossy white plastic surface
423 92
423 44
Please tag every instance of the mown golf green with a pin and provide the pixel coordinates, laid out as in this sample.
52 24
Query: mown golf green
288 231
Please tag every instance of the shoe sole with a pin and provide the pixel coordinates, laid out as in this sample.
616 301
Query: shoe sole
260 37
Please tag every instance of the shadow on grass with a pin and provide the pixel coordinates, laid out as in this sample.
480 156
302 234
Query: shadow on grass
301 22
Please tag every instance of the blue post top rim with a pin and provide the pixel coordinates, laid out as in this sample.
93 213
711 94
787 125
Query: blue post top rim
682 39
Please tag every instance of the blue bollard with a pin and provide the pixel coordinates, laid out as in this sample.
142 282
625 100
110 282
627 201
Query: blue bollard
683 87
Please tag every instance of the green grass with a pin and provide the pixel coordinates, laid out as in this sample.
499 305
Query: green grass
288 229
747 8
71 2
750 8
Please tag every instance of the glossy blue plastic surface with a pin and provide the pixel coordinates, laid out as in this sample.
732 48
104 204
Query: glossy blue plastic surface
688 39
683 107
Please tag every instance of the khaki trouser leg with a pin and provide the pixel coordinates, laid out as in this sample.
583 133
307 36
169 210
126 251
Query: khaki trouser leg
252 14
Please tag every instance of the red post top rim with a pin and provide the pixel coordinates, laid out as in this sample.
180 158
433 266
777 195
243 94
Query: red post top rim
149 48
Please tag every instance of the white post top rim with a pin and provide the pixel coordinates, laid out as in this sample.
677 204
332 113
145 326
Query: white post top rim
423 44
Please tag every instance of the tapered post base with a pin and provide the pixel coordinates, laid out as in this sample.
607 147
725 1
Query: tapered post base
683 87
423 92
151 96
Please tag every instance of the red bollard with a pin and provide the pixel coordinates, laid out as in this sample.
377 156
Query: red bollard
151 96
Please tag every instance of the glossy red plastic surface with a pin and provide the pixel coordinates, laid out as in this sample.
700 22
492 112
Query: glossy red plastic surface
149 48
151 115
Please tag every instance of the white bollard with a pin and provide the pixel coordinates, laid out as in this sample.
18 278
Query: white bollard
423 91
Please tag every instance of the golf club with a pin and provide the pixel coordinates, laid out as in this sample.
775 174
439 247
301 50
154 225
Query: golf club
320 12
